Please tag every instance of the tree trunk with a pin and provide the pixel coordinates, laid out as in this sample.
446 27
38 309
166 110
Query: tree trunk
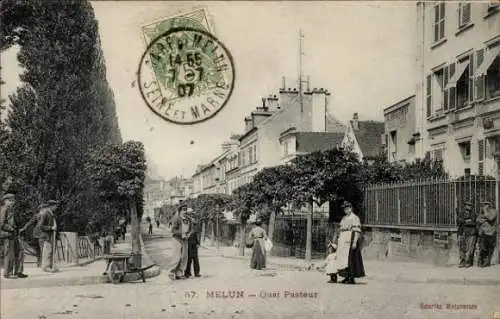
309 233
242 239
213 234
203 230
272 222
135 233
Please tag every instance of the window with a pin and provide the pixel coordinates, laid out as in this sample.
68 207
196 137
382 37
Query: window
463 14
429 95
493 79
463 80
439 12
394 145
285 148
250 155
437 154
439 86
465 150
493 5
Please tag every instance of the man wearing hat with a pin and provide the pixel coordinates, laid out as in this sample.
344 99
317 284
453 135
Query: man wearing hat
180 230
13 246
487 233
45 231
193 244
467 235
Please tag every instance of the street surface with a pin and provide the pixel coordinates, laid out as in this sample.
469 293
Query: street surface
226 288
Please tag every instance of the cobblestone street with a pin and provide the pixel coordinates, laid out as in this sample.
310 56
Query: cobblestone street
226 288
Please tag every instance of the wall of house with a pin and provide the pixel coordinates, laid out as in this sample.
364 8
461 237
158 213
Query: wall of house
400 119
444 130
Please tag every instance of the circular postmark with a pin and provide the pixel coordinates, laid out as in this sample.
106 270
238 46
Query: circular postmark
186 75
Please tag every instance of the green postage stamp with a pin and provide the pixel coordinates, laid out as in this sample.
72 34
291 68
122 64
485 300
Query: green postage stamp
186 75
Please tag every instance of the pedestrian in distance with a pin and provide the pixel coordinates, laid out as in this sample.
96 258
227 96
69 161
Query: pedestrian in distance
349 259
258 236
13 245
180 230
46 230
487 233
150 228
157 223
193 245
467 235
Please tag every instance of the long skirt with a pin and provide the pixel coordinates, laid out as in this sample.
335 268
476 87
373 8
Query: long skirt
258 260
355 267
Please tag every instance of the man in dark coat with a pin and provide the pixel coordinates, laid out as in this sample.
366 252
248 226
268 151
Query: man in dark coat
486 222
467 235
45 232
193 244
13 246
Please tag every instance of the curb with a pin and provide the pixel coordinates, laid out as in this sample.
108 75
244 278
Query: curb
82 280
399 279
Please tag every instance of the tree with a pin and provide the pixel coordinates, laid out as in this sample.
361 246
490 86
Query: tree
243 204
273 186
118 172
62 111
332 175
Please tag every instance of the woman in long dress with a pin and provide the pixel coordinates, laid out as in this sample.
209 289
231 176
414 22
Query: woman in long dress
349 260
258 235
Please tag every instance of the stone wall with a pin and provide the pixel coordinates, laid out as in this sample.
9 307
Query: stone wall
428 246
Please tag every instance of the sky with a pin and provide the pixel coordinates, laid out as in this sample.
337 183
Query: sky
362 52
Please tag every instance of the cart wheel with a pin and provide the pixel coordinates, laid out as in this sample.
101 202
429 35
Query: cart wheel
114 272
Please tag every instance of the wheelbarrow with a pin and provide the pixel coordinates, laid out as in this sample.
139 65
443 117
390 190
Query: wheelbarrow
120 264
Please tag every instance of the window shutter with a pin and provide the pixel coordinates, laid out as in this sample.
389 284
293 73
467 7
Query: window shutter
441 24
479 81
471 78
452 90
445 90
429 95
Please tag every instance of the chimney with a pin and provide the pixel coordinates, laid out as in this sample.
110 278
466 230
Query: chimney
272 103
355 122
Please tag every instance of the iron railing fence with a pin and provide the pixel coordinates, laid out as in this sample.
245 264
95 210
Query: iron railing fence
426 203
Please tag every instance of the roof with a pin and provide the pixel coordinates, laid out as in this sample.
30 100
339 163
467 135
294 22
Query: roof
369 137
334 125
308 142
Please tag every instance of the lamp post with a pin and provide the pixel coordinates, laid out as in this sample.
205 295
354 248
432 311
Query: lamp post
217 225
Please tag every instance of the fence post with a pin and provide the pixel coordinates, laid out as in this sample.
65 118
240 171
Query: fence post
376 204
399 205
425 204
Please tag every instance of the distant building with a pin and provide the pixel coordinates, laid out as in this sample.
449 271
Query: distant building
400 131
365 138
155 194
294 143
458 85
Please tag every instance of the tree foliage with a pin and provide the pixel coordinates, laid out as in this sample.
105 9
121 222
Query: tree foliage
63 110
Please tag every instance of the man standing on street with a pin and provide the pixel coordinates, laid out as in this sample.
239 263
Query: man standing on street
467 236
179 244
487 233
45 230
13 246
193 244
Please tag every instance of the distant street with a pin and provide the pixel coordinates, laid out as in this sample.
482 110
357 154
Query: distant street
226 289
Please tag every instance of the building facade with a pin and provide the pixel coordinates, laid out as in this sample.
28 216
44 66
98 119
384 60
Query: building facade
401 131
458 85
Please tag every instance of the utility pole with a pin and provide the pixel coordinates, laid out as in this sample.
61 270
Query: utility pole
301 53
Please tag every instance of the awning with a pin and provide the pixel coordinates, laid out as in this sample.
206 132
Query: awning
489 57
458 73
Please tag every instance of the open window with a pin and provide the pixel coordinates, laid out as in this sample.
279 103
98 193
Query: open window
464 14
459 86
465 150
487 76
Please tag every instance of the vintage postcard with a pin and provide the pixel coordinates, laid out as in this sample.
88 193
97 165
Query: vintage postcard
249 159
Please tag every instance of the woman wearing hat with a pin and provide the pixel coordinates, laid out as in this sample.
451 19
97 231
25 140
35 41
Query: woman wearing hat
349 260
258 235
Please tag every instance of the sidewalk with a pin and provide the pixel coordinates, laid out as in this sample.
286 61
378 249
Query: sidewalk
86 273
410 272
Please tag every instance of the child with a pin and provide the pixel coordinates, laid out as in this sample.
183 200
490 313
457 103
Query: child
150 228
331 263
